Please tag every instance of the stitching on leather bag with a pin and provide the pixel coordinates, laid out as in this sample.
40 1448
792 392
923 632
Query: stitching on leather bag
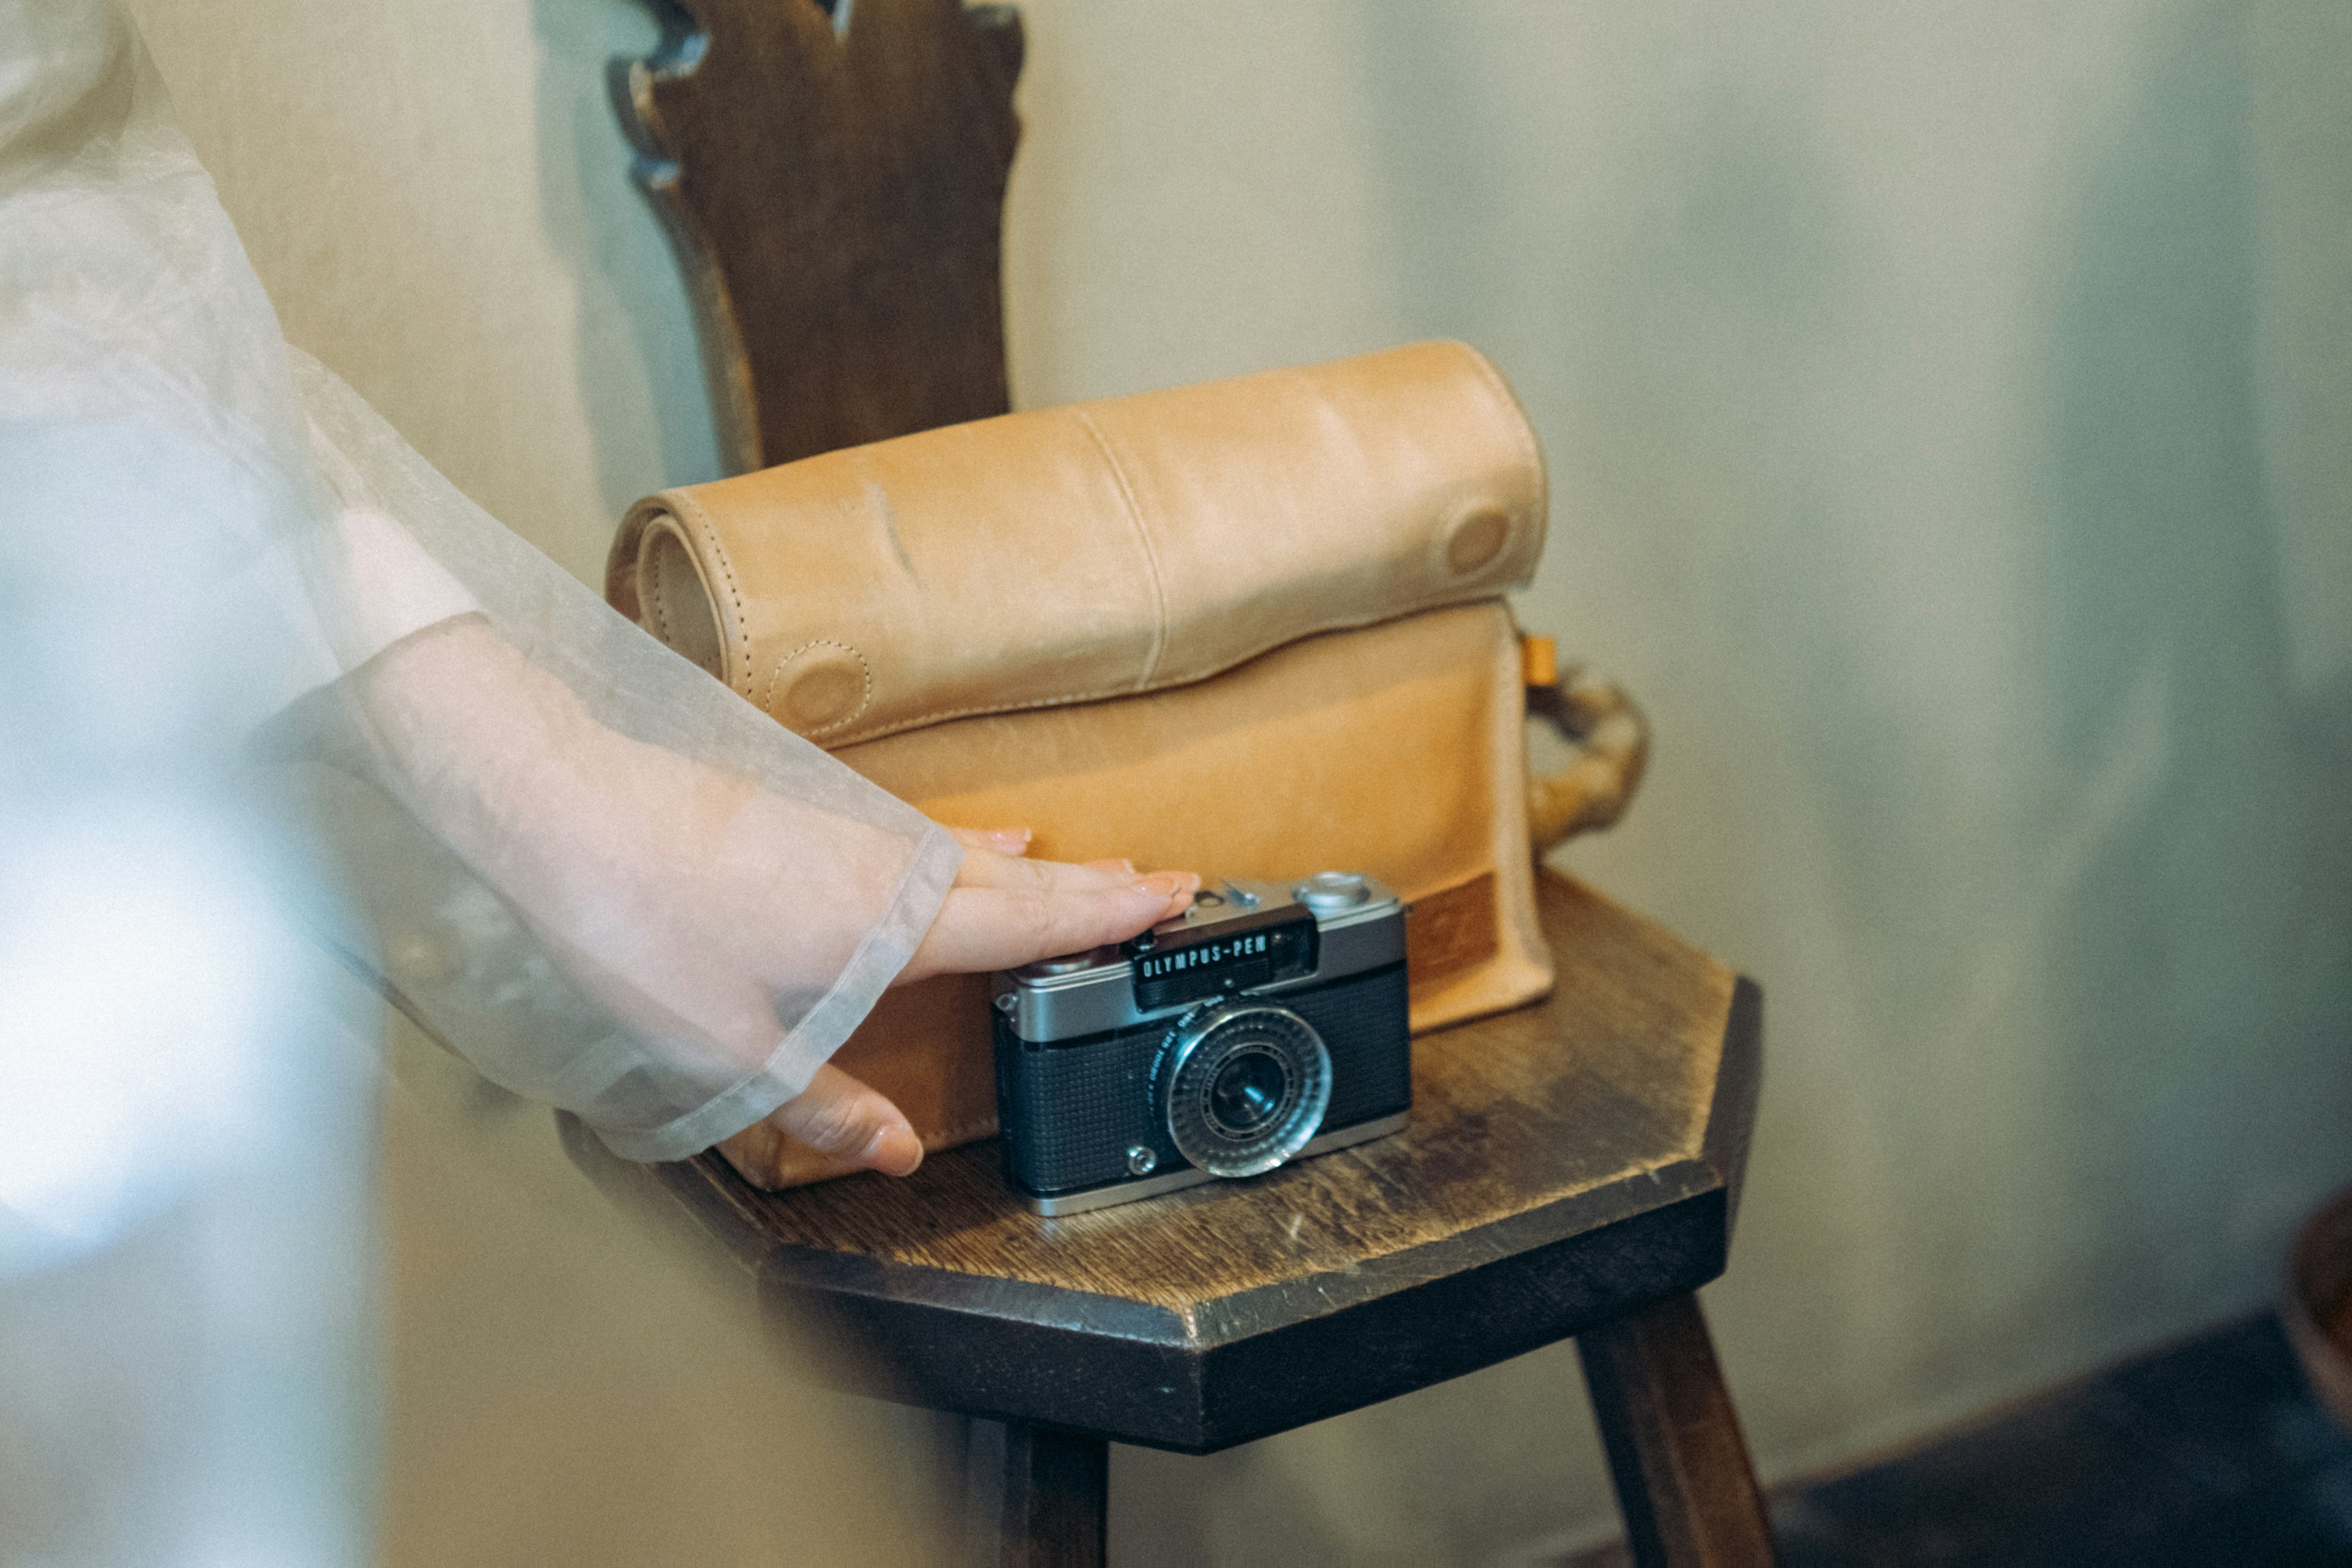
1522 436
1070 698
659 611
1059 700
767 700
685 506
1150 556
1522 431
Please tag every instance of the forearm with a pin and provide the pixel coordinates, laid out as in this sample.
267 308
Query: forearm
682 900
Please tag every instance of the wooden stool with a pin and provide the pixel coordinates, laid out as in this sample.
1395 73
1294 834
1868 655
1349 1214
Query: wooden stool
1571 1169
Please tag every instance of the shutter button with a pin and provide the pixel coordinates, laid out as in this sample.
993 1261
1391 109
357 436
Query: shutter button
1328 891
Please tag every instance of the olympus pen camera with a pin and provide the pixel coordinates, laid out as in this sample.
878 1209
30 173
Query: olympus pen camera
1266 1023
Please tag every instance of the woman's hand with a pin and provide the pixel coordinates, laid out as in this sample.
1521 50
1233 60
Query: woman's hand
1005 911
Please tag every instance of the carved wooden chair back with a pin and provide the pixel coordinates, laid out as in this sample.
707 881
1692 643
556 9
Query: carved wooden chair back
833 178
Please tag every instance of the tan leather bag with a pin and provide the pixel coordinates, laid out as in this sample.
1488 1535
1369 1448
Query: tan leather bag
1252 628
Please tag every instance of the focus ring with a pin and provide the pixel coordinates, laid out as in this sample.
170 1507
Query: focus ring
1244 1087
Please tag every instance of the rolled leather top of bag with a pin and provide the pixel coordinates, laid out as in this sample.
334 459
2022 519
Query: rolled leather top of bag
1095 550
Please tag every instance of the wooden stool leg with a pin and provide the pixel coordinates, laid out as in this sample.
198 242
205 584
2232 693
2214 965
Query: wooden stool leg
1683 1480
1056 1491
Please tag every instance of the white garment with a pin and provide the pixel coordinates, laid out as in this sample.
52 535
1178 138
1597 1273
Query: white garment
747 896
272 690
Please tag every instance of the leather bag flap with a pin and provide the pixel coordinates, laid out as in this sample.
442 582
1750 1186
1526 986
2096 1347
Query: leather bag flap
1093 551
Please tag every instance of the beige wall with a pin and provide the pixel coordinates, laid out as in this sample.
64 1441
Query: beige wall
1947 409
437 199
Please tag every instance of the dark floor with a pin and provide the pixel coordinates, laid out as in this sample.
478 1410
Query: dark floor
2206 1454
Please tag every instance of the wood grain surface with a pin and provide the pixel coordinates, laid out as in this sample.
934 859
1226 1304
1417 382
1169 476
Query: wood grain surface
832 179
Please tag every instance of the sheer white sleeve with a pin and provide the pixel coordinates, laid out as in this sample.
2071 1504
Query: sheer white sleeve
567 853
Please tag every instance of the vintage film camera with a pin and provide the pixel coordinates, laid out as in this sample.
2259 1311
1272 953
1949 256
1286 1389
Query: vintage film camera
1268 1022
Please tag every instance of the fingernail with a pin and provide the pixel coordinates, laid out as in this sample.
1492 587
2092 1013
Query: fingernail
895 1150
1168 884
1012 840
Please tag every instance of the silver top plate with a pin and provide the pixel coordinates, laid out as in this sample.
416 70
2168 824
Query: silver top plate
1089 994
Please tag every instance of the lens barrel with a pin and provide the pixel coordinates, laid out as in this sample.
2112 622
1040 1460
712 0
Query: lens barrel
1244 1085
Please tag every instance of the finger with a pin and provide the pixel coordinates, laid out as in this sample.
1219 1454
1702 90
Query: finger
757 1153
983 870
1002 840
981 929
838 1115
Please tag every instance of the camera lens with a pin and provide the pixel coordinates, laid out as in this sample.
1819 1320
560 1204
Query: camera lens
1249 1088
1244 1087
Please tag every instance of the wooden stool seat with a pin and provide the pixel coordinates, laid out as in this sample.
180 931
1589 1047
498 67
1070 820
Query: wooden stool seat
1571 1169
